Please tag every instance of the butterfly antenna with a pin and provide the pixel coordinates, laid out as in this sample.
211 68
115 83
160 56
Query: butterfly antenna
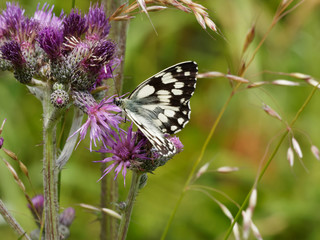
114 82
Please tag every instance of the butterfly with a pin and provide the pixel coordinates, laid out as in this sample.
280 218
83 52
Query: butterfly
160 105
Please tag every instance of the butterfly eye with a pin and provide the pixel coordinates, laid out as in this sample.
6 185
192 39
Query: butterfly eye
116 101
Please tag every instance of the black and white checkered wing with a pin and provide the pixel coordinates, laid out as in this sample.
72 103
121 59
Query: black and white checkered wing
161 104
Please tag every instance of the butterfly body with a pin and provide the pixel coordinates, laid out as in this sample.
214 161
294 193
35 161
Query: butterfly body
161 104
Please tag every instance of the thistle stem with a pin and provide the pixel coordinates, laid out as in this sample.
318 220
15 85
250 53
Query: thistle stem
109 187
108 198
50 171
126 216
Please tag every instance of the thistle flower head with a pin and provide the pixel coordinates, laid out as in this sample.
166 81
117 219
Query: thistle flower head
46 18
74 24
11 51
102 117
59 98
76 45
126 149
98 23
87 61
102 53
10 19
50 40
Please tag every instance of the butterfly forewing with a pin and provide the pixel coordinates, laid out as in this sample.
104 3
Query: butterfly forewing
161 104
167 96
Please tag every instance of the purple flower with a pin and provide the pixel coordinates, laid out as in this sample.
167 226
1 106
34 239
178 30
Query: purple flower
11 51
97 22
177 143
46 18
126 149
101 54
1 142
50 40
26 34
101 117
10 19
37 209
107 70
74 24
50 35
23 69
93 58
14 26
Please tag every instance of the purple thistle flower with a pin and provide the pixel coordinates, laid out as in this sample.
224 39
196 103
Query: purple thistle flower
74 24
11 51
101 117
50 40
23 71
126 149
98 23
93 59
101 54
27 33
46 18
10 20
107 70
177 143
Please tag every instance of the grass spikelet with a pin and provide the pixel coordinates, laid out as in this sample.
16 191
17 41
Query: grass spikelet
315 152
296 147
290 156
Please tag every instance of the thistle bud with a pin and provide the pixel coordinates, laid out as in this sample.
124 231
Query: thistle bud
37 208
1 142
23 75
59 98
122 206
67 216
58 86
64 232
143 181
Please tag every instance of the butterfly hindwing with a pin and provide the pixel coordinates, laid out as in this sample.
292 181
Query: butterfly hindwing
152 133
161 104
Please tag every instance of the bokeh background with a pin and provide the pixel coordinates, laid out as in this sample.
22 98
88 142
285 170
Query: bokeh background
288 198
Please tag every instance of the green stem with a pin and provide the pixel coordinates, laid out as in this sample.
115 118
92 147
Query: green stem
109 187
50 171
126 216
108 198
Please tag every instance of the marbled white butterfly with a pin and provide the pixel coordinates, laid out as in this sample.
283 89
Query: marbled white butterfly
161 104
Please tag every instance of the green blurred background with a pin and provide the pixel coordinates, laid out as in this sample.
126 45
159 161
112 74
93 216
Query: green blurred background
288 198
